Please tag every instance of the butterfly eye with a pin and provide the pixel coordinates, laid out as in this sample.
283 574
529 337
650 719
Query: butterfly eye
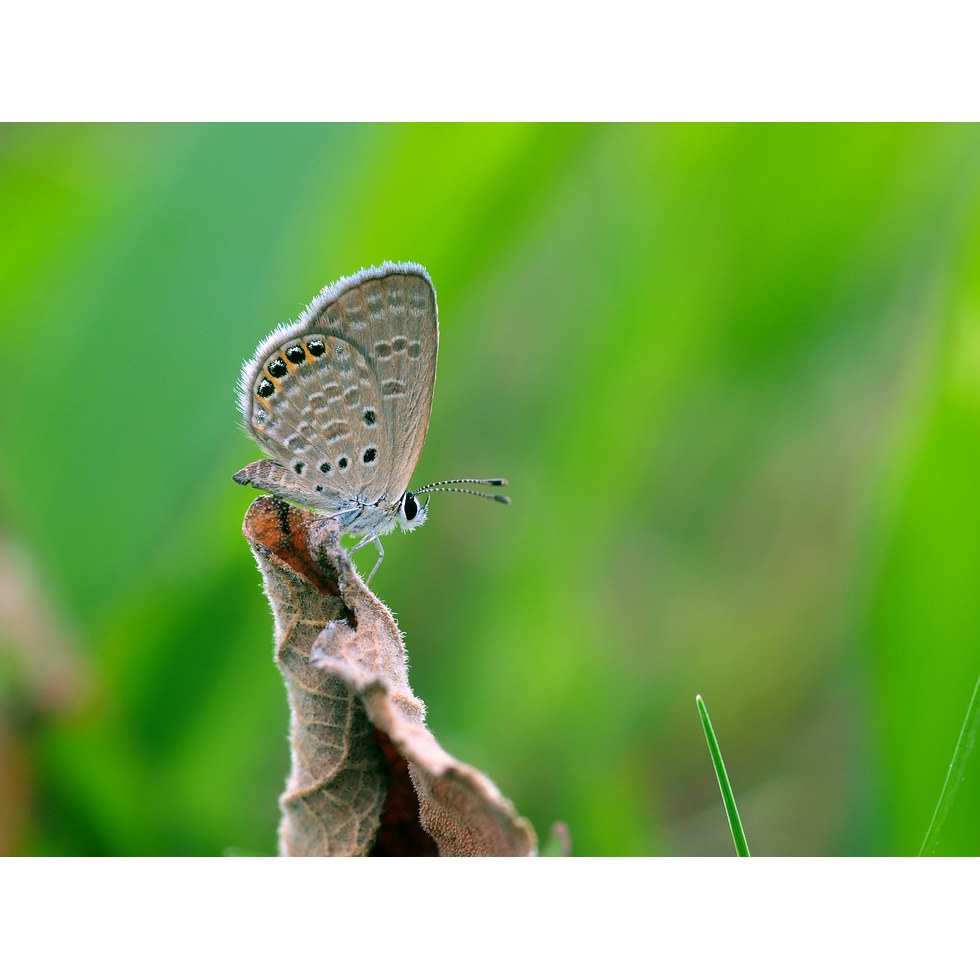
410 507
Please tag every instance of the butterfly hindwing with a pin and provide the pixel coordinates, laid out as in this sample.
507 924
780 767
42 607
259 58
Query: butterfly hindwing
341 399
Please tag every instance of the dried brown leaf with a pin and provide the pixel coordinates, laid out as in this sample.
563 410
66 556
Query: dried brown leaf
44 676
367 775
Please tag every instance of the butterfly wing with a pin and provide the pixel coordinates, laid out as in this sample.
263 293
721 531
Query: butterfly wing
341 399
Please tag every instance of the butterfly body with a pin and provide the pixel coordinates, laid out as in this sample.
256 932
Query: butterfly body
357 516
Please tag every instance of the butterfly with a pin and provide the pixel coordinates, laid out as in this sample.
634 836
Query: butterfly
340 400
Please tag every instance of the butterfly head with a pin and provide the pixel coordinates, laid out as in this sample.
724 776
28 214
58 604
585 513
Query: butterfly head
412 514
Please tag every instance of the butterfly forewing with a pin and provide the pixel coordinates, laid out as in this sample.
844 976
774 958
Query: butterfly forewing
342 398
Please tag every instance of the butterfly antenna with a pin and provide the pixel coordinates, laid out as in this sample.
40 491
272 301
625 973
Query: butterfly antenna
443 483
442 486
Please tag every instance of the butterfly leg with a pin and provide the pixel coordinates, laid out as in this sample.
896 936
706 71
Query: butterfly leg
367 539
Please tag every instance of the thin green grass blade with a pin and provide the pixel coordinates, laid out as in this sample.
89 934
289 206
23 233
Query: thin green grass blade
738 834
954 776
558 843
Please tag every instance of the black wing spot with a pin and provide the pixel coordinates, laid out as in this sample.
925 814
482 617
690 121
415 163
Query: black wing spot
370 454
342 462
370 417
299 468
277 368
316 347
265 388
296 354
324 467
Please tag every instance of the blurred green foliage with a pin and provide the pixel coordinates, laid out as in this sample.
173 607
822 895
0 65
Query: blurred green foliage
732 372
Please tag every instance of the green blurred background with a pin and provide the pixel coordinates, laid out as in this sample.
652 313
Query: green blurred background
732 372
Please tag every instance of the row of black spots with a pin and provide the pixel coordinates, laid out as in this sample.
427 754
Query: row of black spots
296 354
370 455
325 468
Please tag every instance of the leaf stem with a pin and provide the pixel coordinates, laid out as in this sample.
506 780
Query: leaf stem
738 834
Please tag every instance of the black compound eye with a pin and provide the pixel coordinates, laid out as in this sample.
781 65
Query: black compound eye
410 507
